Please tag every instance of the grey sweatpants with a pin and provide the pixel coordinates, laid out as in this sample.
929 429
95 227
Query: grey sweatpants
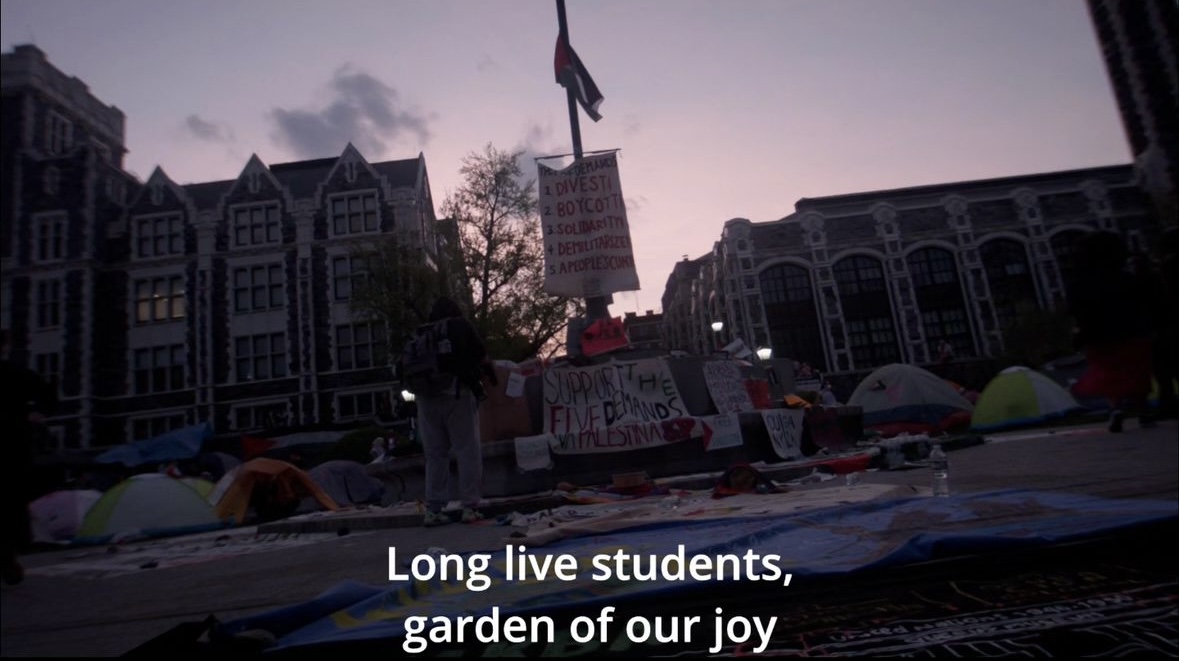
447 424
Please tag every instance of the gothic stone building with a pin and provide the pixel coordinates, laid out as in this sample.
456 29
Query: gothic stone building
852 282
157 305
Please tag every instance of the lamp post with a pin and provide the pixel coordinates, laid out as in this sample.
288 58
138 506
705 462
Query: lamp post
717 327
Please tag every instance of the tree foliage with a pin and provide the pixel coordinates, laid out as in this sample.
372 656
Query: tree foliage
500 251
393 284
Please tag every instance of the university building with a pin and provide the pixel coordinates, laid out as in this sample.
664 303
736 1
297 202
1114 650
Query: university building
852 282
154 305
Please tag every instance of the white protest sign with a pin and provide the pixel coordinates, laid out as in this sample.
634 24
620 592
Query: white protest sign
581 399
587 247
532 452
627 436
785 427
726 387
515 385
722 430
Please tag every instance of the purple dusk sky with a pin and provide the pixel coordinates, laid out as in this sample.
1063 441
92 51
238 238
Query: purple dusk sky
722 109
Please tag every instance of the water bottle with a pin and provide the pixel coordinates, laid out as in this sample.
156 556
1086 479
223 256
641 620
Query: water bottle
939 466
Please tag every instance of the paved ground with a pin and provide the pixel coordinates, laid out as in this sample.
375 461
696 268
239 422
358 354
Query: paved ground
81 602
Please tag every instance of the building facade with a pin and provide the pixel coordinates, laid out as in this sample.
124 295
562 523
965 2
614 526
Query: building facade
646 331
156 305
1138 43
852 282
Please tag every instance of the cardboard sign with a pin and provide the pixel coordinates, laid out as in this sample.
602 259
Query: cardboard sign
785 427
587 247
515 386
532 452
722 430
604 335
726 386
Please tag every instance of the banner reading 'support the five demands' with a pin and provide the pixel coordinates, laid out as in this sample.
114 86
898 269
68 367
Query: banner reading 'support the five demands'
587 247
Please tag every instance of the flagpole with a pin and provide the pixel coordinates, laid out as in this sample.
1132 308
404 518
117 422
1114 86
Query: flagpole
596 307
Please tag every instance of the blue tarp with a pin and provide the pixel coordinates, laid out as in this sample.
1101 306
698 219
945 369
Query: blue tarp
176 445
826 542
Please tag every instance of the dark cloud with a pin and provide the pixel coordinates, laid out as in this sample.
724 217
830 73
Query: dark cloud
361 110
538 141
206 130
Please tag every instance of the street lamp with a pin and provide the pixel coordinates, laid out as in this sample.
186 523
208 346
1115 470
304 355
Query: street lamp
717 327
764 353
407 396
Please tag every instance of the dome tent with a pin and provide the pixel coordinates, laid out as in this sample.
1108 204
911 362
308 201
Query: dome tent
900 398
264 483
150 504
1020 396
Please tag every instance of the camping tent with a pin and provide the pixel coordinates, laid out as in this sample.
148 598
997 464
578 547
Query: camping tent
904 398
347 483
175 445
56 516
265 481
203 487
1020 396
151 504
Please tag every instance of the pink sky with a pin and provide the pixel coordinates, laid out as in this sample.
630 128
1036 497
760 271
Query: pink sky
721 109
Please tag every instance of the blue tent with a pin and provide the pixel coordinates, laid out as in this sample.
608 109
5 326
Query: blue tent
178 444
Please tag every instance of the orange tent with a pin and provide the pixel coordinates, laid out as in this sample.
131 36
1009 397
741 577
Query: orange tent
278 480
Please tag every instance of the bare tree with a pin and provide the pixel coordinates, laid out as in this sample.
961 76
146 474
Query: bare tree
500 249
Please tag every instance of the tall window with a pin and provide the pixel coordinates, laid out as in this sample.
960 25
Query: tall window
159 299
258 288
791 314
159 236
261 356
939 295
256 225
48 365
867 311
362 405
49 237
1064 246
145 428
1010 278
48 303
354 214
59 134
359 346
348 276
260 416
159 369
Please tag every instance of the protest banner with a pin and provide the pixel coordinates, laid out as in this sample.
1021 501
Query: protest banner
626 436
785 427
587 244
726 386
722 430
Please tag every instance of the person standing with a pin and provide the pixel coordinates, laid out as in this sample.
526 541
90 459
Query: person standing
27 399
448 420
1109 307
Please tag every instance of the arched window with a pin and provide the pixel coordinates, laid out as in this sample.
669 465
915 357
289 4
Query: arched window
1010 278
791 314
1064 246
939 296
867 311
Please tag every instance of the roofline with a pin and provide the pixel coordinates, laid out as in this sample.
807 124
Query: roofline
951 187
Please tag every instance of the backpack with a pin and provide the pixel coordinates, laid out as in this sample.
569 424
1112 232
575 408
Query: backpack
427 361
